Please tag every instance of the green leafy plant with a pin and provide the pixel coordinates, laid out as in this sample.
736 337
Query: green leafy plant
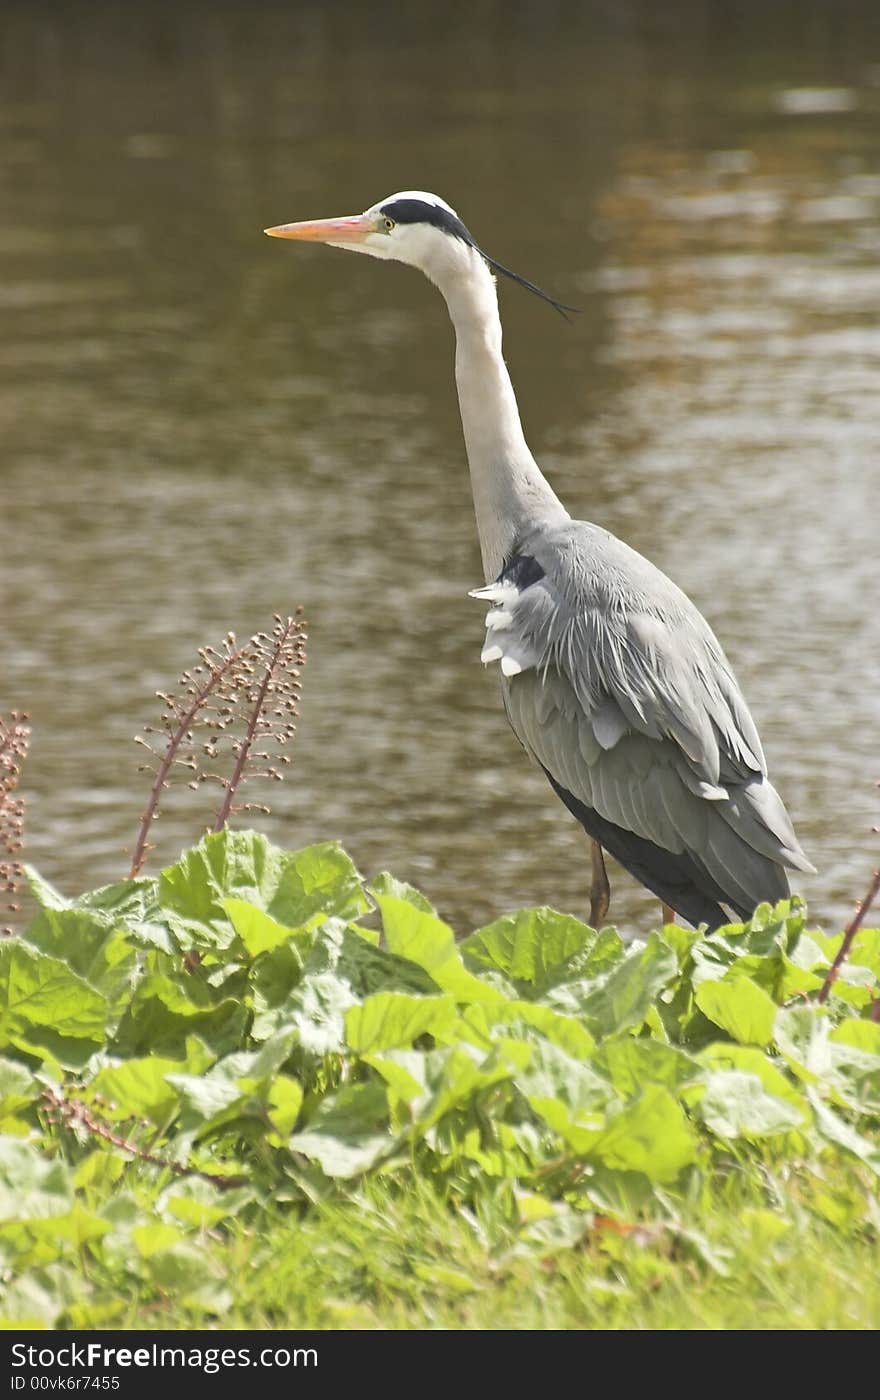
261 1025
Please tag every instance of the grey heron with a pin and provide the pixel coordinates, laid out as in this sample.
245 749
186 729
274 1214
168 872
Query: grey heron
612 680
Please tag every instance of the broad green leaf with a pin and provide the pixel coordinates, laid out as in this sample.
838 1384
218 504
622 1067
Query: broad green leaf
863 1035
315 883
836 1130
226 863
724 1055
341 948
237 1085
200 1215
795 981
31 1187
736 1104
165 1012
316 1011
482 1022
712 958
569 1096
775 974
74 936
864 950
92 946
739 1007
604 954
257 930
349 1132
404 1071
801 1034
650 1134
341 1155
620 999
43 1001
854 1075
272 979
340 970
386 883
529 944
270 1057
806 953
208 1095
139 1088
45 894
389 1019
765 1226
855 985
772 927
184 995
429 943
128 901
162 935
292 887
631 1064
100 1172
457 1075
18 1087
681 940
283 1102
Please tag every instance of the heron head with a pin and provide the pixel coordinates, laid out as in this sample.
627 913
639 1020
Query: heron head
412 227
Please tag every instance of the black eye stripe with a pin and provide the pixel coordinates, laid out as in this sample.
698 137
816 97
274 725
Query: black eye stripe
419 211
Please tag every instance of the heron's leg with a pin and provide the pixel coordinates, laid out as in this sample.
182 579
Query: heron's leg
600 890
668 913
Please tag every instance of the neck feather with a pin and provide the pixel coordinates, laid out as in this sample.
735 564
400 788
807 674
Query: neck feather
511 496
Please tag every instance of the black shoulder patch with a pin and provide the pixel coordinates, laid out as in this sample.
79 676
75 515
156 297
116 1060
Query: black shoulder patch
522 570
419 211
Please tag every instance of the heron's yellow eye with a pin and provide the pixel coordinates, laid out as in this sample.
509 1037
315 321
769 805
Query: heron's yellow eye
389 225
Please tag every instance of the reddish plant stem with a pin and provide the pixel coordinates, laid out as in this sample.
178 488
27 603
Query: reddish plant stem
251 731
852 929
217 673
14 740
70 1110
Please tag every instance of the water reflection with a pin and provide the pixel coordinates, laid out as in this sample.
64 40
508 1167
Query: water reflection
201 428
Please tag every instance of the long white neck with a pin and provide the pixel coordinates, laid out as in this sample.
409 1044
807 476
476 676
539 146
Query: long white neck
511 496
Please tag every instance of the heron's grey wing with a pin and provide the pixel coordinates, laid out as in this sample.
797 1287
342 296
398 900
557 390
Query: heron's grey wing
637 800
615 684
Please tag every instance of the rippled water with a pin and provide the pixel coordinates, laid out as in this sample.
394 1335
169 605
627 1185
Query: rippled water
200 427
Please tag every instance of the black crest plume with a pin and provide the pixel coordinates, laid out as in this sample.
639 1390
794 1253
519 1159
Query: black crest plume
419 211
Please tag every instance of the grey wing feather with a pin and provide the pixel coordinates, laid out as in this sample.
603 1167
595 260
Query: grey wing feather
617 686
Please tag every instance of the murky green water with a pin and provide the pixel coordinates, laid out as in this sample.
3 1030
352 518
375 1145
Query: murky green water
200 427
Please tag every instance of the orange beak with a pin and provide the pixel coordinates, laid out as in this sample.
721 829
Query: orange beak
353 229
